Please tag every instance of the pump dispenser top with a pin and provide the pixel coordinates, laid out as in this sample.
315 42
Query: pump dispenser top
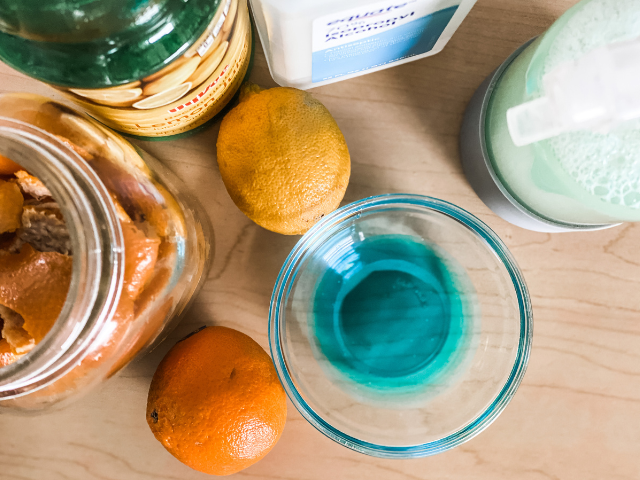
596 92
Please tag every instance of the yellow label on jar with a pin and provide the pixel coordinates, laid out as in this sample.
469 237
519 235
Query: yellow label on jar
186 93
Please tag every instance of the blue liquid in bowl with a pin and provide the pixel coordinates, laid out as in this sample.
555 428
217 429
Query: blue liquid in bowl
392 313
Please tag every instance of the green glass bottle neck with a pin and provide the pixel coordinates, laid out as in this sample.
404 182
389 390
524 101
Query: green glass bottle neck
98 43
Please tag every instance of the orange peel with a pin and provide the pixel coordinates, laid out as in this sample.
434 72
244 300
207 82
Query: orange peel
84 154
31 185
35 285
7 357
14 333
140 256
11 203
8 166
147 333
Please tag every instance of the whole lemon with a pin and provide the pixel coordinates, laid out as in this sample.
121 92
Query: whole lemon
283 159
215 402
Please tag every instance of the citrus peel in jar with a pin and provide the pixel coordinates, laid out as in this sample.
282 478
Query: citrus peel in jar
7 166
11 202
7 357
159 260
36 261
14 333
35 285
31 185
283 158
140 255
34 277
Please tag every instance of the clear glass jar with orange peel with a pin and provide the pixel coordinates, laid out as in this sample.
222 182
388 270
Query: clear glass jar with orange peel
101 250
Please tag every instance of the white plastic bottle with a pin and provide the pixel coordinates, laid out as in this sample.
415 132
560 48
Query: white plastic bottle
309 43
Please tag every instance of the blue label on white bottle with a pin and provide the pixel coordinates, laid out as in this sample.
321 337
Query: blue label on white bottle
378 34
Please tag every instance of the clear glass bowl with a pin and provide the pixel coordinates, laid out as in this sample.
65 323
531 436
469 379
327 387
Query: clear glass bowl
400 326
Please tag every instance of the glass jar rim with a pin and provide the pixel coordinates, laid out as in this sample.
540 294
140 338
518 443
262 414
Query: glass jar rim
322 230
98 256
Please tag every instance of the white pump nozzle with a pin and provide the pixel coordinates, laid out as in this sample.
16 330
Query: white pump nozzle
596 92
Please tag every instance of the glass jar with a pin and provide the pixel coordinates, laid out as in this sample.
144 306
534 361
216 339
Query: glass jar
575 180
138 243
150 68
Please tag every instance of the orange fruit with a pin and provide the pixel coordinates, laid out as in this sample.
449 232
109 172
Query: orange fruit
215 402
283 158
35 285
11 202
8 167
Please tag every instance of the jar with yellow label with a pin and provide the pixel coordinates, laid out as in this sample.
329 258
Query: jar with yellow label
148 68
101 250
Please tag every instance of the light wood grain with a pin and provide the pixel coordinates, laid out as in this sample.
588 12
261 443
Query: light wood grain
577 413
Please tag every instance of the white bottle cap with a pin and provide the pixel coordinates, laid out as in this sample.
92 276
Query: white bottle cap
596 92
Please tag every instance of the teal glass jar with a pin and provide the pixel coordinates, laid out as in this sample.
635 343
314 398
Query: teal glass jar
94 44
150 68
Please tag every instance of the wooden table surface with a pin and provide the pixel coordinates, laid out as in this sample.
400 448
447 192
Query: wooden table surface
577 412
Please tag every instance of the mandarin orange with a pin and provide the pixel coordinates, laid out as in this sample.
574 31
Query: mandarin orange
215 402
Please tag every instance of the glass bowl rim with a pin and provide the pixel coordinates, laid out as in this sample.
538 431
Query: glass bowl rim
320 232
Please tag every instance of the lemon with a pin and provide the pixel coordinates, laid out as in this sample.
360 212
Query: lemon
283 158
